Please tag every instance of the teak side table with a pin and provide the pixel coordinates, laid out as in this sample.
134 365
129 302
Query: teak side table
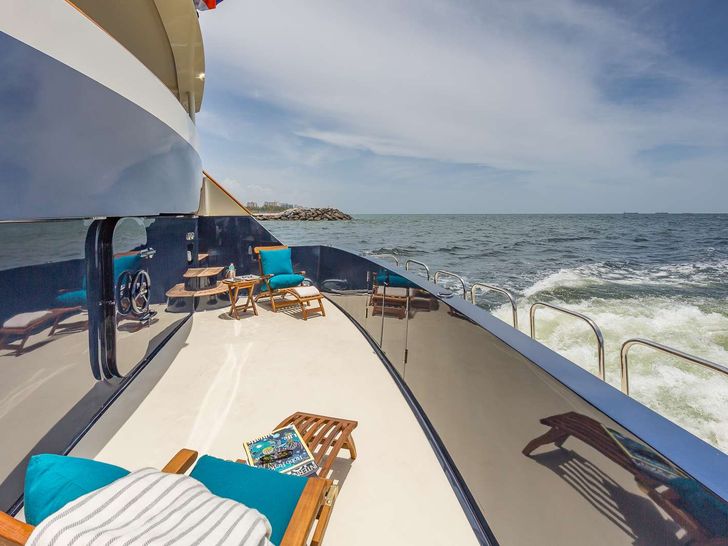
234 288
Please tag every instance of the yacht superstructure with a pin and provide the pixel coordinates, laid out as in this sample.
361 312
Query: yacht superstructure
469 431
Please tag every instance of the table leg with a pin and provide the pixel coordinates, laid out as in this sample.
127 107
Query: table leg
233 291
251 300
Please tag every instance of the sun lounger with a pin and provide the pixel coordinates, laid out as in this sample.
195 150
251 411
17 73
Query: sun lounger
23 325
312 502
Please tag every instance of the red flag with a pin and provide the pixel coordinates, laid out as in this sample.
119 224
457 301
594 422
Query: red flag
203 5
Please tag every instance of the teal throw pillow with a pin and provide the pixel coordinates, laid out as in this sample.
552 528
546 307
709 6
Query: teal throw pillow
273 494
52 481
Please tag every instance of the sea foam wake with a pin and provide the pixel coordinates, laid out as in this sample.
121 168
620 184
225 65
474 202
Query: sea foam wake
692 396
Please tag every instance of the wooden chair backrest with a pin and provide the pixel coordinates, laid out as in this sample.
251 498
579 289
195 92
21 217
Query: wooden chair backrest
257 250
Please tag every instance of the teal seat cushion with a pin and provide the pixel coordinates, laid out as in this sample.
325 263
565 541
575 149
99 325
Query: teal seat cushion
276 262
394 280
73 298
285 281
52 481
273 494
130 262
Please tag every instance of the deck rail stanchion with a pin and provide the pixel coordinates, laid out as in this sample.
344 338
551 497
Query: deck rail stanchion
411 261
506 293
396 258
627 345
381 331
589 321
443 273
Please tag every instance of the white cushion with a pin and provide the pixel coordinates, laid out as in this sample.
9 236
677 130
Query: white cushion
23 319
306 291
392 291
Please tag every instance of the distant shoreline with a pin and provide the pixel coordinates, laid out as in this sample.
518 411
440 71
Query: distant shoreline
304 214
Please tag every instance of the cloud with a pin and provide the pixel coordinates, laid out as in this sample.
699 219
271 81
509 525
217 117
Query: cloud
569 93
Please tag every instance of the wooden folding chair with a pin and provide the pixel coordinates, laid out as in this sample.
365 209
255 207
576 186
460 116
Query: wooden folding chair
270 292
312 512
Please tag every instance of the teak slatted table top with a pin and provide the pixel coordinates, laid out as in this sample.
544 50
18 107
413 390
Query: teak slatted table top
179 291
196 272
325 436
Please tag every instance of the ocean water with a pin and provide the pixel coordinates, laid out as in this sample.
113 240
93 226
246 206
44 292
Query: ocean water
659 276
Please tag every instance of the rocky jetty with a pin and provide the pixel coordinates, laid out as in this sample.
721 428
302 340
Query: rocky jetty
308 214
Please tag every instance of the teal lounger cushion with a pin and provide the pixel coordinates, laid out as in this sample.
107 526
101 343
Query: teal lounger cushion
276 262
285 281
52 481
131 262
73 298
273 494
394 280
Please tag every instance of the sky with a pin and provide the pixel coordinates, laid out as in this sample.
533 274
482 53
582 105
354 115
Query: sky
469 106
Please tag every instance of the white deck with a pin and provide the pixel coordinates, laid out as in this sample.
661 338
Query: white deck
235 379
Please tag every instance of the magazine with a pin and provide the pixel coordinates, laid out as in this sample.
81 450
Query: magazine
645 458
247 278
282 450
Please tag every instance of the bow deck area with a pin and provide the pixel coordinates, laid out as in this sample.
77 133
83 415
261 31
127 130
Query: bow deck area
235 379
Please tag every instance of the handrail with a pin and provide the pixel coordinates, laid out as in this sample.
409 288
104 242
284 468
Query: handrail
440 272
396 258
590 322
503 291
411 261
624 362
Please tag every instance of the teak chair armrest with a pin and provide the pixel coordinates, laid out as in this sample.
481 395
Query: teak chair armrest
181 463
307 510
14 531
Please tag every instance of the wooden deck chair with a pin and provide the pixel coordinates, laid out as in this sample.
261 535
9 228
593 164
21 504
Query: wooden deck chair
666 493
276 282
24 325
312 511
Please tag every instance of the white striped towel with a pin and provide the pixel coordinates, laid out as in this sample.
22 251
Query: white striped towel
153 508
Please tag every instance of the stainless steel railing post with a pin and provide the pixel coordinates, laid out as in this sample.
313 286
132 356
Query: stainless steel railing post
381 331
442 272
627 345
396 258
500 290
410 261
590 322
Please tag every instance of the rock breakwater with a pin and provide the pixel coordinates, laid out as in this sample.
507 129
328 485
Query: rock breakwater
306 214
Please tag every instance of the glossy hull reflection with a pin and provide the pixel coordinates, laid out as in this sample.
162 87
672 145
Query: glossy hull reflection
543 465
53 385
487 403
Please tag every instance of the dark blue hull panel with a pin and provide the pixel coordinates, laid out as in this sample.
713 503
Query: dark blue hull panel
71 147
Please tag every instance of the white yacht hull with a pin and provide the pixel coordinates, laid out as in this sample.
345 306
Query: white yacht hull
86 129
